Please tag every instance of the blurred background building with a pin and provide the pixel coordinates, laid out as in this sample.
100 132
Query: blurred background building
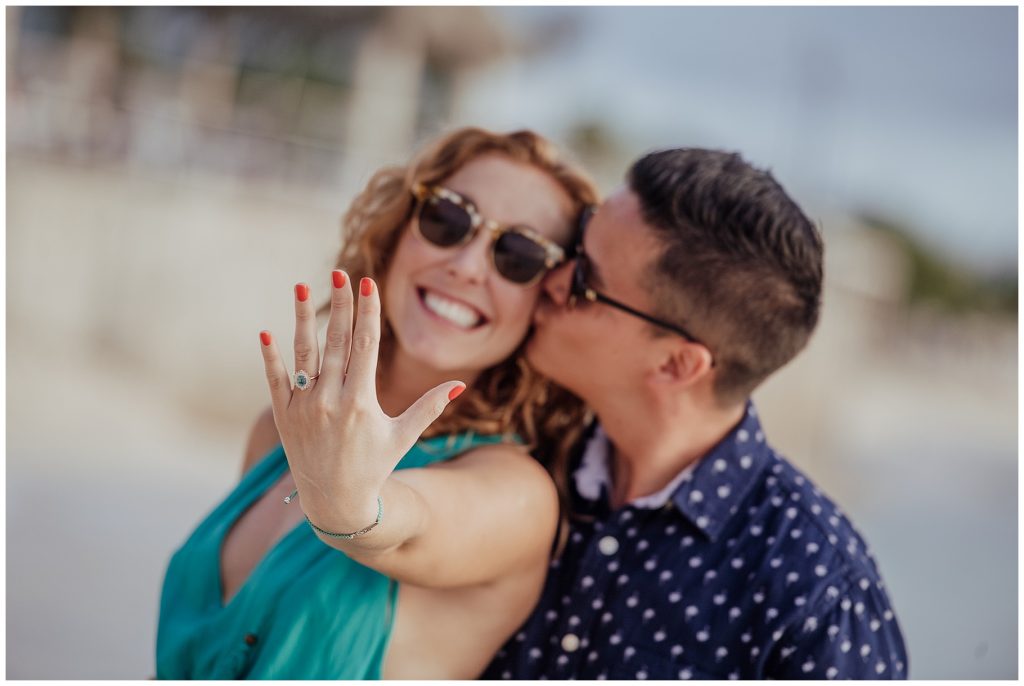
172 172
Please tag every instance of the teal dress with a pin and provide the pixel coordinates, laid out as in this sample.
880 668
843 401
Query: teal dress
307 611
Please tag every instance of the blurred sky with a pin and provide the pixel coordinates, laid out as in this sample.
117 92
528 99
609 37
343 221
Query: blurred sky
907 111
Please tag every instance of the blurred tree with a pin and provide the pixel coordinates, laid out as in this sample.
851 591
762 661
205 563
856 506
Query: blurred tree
935 280
600 149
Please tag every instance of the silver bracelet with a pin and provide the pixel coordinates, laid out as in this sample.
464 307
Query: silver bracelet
380 513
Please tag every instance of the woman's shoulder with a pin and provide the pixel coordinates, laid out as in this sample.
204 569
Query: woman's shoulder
263 438
508 461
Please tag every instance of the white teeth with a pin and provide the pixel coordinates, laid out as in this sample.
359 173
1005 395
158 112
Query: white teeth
456 313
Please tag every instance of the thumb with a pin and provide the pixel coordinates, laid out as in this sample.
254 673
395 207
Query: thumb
429 407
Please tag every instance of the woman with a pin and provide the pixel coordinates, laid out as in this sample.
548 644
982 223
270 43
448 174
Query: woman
401 559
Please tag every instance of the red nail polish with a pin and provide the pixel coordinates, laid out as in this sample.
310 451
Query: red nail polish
265 337
339 278
301 292
365 286
455 393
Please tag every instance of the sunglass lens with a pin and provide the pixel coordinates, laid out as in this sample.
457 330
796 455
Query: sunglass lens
444 223
586 214
518 258
578 288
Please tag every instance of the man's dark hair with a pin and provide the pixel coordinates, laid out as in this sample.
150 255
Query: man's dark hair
742 264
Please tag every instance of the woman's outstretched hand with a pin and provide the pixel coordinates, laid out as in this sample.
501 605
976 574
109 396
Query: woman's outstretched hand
340 444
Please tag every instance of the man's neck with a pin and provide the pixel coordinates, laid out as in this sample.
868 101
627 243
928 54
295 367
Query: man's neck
646 455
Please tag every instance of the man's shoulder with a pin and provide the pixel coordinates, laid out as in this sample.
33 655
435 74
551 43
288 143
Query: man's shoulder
792 500
784 534
792 529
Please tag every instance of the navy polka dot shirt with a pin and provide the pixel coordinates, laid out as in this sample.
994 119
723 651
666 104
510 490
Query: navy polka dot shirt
739 569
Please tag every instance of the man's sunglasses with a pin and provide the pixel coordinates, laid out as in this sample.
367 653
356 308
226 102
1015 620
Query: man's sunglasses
446 219
580 288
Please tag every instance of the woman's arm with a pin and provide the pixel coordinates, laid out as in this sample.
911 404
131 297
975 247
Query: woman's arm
483 515
489 513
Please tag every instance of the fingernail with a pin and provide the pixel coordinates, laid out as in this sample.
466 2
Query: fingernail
455 393
339 278
265 337
365 286
301 292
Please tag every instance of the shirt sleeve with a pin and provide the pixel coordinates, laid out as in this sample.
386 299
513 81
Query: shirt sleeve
849 635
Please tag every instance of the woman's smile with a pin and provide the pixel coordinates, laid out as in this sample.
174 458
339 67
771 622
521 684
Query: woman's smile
450 310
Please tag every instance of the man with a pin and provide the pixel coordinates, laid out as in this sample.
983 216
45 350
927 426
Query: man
694 550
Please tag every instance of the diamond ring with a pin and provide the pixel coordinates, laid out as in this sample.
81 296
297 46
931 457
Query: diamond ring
304 379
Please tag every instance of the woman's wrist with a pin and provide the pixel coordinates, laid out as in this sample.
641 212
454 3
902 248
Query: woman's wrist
345 515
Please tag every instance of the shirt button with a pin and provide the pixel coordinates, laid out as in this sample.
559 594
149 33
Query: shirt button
608 545
250 639
570 643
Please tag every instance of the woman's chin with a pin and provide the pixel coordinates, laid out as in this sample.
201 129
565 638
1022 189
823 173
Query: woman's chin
450 360
448 365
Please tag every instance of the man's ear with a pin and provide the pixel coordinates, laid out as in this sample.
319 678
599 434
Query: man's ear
682 364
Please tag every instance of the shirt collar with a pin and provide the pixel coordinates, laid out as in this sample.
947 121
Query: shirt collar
707 492
594 480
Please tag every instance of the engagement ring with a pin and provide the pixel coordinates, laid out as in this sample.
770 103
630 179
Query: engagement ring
303 379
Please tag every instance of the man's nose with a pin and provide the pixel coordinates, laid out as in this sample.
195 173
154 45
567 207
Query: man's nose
556 283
